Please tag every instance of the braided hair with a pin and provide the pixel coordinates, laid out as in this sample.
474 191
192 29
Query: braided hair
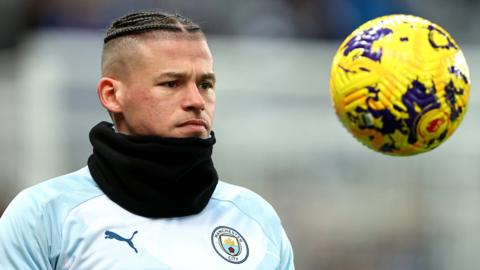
146 21
121 37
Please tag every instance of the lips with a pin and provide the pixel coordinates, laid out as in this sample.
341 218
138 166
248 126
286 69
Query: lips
195 122
196 127
193 127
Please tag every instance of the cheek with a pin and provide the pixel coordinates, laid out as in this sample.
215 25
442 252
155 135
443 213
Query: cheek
141 104
162 108
210 104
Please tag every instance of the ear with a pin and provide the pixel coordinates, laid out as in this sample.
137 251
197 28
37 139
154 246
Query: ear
108 93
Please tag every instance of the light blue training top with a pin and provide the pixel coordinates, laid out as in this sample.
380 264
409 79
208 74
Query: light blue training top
69 223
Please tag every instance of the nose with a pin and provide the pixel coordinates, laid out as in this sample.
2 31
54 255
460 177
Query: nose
193 99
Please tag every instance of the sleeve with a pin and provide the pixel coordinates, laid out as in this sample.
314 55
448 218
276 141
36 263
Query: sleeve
286 253
24 237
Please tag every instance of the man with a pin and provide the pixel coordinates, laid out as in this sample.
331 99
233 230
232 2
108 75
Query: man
150 197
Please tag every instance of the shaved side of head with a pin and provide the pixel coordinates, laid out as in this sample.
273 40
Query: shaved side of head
123 41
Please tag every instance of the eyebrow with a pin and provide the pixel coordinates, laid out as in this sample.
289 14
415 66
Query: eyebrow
209 76
181 75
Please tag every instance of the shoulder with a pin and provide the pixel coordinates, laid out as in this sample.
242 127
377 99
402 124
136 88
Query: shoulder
243 198
31 226
52 199
251 204
65 191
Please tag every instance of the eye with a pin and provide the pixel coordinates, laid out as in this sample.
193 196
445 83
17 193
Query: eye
169 84
206 85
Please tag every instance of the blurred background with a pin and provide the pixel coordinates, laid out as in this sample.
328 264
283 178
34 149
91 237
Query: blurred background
343 206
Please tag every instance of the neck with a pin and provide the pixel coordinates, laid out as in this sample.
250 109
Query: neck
153 176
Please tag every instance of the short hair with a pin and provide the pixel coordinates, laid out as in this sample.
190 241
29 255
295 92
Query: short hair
145 21
123 32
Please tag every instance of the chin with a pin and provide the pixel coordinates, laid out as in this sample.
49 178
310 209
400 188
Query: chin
193 132
200 136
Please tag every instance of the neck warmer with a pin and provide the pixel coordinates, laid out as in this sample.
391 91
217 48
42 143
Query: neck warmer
153 176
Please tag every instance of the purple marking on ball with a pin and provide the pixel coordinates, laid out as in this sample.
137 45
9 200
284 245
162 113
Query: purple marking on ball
388 147
416 96
365 40
450 97
450 45
390 122
374 91
404 39
346 70
458 73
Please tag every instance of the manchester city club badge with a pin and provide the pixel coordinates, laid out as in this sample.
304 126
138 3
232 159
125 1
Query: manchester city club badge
229 244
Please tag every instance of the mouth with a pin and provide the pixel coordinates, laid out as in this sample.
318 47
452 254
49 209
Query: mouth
194 126
194 122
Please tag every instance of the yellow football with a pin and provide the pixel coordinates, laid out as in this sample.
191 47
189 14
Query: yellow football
400 84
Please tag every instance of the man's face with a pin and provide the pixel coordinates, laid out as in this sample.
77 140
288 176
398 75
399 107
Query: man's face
170 92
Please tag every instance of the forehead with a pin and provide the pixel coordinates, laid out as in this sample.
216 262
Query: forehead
180 55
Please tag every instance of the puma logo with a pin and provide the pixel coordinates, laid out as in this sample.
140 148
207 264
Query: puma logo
112 235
